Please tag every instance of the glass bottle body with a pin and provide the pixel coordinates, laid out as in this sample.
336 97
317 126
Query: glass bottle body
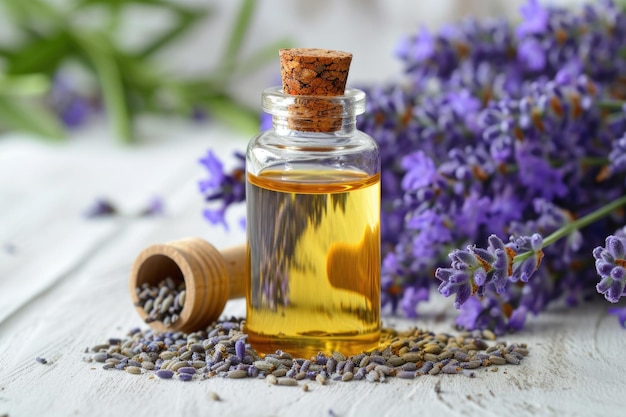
313 229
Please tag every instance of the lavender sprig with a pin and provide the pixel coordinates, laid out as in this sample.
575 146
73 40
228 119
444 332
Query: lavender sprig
474 268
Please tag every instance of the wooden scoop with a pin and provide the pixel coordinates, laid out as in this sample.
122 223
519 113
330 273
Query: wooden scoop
211 278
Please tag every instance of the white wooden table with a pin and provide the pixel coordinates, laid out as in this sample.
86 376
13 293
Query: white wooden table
63 288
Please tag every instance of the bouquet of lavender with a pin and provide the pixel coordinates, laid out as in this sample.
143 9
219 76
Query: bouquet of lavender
499 133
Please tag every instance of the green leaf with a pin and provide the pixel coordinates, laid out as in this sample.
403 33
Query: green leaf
120 3
261 57
27 13
233 114
238 34
29 117
6 52
40 55
186 21
99 53
142 81
612 105
24 85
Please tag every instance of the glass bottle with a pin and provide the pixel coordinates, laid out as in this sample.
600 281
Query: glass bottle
313 227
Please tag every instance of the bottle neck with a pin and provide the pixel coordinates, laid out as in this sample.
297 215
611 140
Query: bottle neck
319 115
287 125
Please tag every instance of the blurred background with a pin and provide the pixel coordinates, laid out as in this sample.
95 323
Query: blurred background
64 63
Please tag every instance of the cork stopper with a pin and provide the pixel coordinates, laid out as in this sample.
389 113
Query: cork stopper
211 278
314 74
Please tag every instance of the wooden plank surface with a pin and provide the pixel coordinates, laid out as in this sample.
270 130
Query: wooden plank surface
63 288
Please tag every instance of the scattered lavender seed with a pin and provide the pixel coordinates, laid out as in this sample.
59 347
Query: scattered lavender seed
347 376
372 376
514 360
287 381
187 370
133 370
377 359
426 367
221 350
451 368
185 377
240 349
164 373
473 364
406 374
237 373
409 366
321 379
100 347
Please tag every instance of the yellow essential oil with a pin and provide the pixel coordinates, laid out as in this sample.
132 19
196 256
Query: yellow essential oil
314 261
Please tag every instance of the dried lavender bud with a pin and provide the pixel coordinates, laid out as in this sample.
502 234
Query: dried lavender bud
150 351
240 349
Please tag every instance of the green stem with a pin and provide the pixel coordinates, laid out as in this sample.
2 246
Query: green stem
575 225
594 161
611 105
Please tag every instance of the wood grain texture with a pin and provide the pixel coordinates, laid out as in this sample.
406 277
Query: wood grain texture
64 288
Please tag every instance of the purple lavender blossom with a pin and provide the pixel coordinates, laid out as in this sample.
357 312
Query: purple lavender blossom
535 21
522 271
101 208
216 216
617 156
72 106
411 298
420 171
611 266
222 188
215 170
486 313
474 268
155 207
531 55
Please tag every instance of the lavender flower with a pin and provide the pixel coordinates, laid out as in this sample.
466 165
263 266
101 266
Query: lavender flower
101 208
72 106
523 270
611 266
474 268
221 187
155 207
536 19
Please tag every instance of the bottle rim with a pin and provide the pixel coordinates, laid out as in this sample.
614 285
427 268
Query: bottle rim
277 103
